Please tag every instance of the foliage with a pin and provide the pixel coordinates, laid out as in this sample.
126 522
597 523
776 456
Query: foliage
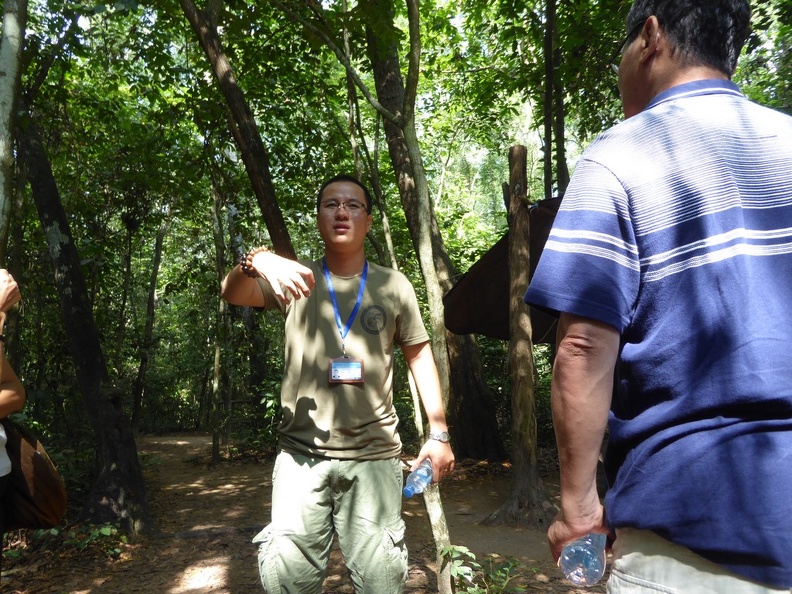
138 137
469 577
766 66
545 433
99 542
106 538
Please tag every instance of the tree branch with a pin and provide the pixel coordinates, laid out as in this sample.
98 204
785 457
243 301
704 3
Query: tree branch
395 119
414 59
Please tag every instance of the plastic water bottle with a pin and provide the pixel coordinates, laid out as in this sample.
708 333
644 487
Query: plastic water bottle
583 560
418 479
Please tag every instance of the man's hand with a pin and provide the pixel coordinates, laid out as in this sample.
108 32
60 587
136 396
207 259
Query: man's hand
289 278
564 530
442 458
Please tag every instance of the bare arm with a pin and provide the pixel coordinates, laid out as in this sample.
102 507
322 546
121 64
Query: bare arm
12 393
422 365
289 279
581 392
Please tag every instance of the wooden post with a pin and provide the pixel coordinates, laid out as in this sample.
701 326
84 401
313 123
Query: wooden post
527 503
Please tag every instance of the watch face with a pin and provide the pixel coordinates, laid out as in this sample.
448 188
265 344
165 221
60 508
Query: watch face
439 436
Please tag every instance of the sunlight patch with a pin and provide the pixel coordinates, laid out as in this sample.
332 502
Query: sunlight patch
202 575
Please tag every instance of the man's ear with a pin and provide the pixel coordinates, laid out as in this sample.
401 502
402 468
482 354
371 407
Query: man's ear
652 38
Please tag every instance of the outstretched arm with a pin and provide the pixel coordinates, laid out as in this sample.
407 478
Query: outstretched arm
289 280
422 365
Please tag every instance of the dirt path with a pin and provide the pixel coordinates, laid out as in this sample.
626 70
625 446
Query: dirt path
208 517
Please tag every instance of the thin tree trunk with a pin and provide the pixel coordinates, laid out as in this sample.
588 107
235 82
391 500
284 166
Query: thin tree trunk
221 394
559 125
118 495
414 191
547 107
243 127
147 342
13 35
126 265
470 407
527 503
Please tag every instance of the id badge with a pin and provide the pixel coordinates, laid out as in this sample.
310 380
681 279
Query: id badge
345 370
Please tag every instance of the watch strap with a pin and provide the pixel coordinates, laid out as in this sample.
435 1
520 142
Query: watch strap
441 436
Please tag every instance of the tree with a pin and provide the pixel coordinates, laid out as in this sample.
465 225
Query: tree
765 71
128 123
470 407
527 502
14 19
243 127
118 495
146 346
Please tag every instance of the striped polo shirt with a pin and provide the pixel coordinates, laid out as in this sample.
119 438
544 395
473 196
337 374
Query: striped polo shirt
676 229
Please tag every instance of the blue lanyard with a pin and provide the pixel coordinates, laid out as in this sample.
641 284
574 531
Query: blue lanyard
344 329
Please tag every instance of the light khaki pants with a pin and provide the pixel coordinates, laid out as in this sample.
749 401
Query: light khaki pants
313 499
645 563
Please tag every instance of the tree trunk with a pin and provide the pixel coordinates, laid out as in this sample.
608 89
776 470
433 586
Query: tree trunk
243 127
221 393
404 150
471 413
121 327
13 35
547 107
118 495
559 126
527 503
146 343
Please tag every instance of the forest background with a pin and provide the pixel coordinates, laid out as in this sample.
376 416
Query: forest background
146 145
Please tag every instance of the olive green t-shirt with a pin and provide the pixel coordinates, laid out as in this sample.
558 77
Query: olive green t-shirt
345 421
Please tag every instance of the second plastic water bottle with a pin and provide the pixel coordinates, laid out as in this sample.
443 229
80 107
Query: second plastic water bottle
418 479
583 560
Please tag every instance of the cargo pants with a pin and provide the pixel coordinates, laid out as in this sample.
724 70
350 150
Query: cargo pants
314 499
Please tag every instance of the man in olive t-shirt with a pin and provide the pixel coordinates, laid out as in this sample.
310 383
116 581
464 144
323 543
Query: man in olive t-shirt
337 470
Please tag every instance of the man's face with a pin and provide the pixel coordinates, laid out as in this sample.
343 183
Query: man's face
342 218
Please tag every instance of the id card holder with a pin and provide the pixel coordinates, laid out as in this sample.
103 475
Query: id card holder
345 370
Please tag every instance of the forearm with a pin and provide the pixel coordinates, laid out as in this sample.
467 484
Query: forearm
287 278
424 371
12 393
581 392
422 366
240 289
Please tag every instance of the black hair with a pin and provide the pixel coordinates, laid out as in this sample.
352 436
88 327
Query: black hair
344 178
706 32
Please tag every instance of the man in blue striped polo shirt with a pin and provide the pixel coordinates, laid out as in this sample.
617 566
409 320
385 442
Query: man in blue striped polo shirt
670 263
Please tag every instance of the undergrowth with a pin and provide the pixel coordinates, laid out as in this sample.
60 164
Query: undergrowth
468 576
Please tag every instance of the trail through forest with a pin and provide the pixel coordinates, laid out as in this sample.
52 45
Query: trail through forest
208 515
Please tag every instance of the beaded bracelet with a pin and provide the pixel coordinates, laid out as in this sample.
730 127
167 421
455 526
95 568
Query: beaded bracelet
247 261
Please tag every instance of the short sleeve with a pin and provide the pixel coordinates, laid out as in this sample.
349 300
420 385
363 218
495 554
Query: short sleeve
589 265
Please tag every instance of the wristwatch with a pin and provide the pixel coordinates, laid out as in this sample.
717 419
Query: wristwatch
441 436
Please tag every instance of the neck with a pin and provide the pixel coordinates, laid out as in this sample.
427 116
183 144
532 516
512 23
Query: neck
689 75
345 264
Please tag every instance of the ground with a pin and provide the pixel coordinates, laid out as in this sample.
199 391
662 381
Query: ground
208 515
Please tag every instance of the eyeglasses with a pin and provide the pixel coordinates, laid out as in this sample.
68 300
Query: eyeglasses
352 207
620 49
